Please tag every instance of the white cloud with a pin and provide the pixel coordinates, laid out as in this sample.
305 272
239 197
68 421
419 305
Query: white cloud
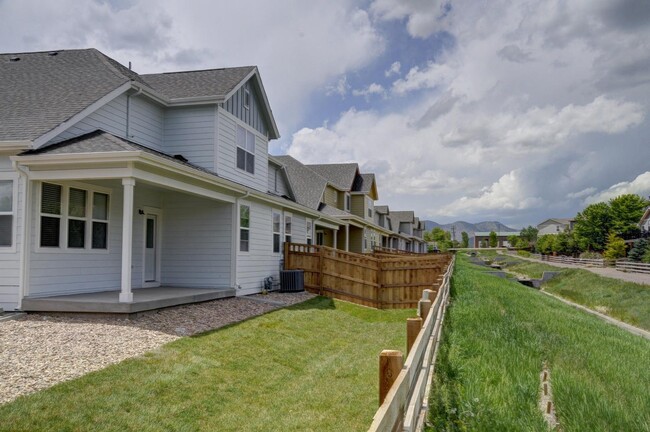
508 193
372 89
394 69
640 186
434 75
581 194
422 15
341 87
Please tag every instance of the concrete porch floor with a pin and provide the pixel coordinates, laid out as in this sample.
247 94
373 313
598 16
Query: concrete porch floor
144 299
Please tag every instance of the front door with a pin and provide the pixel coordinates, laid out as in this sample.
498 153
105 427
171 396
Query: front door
151 250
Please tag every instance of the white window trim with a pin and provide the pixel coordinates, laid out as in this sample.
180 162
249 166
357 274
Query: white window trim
308 235
158 243
284 225
239 227
370 210
63 229
254 133
244 102
13 177
273 232
347 202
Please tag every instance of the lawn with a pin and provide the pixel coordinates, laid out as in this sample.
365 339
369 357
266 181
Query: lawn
312 366
497 335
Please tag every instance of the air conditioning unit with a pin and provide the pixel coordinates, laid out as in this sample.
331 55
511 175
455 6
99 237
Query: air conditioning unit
292 281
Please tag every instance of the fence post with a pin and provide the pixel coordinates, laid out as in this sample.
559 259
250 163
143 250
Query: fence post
413 327
390 365
321 261
424 307
287 264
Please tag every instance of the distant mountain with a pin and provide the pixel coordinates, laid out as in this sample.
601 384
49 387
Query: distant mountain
469 228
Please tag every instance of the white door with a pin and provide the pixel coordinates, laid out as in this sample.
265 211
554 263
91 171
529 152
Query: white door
151 249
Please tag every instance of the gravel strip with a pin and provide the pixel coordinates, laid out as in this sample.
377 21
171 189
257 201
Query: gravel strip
40 350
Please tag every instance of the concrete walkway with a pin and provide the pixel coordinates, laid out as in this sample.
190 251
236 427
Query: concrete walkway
610 272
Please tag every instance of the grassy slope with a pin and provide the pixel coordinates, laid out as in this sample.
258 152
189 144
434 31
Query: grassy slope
496 337
309 367
625 301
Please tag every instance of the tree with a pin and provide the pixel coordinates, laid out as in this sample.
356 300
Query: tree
592 226
545 244
615 247
639 250
494 241
625 211
465 237
514 241
529 236
441 237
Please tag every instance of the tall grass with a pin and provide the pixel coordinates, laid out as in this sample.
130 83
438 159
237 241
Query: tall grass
497 335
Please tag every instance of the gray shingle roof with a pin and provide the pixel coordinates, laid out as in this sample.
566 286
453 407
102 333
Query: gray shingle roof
382 209
363 183
39 91
307 185
340 175
212 82
333 211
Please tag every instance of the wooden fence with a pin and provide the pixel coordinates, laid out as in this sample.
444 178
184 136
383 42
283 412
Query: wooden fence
631 266
383 281
405 406
379 250
575 261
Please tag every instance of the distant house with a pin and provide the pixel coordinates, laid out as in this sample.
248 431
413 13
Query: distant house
644 223
555 226
482 239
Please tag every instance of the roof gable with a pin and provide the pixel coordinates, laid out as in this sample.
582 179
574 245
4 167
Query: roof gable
341 176
307 185
41 90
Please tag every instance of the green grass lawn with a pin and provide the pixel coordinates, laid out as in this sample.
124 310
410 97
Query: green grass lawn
496 336
309 367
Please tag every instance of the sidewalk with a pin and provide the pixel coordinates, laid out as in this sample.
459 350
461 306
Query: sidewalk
610 272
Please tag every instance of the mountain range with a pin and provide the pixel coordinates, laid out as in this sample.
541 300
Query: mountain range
469 228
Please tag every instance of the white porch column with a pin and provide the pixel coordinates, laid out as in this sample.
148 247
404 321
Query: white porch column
128 185
347 238
336 235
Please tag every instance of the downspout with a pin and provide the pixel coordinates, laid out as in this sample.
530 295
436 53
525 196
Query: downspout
25 240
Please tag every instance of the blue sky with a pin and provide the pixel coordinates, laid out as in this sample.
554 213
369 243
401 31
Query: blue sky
510 110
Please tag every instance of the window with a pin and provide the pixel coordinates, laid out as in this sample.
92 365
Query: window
276 232
369 200
244 228
365 239
245 150
287 228
347 202
83 214
6 213
309 234
247 98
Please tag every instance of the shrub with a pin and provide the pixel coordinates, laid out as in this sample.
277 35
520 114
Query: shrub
615 247
639 250
591 255
523 253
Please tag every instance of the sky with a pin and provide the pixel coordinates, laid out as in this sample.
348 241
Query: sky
471 110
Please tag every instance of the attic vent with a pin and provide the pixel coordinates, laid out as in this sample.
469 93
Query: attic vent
180 157
14 59
53 53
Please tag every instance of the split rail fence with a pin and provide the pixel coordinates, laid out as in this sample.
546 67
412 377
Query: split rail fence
631 266
380 280
570 260
404 406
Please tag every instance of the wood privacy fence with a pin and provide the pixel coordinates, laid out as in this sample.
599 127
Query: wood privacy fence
405 406
381 280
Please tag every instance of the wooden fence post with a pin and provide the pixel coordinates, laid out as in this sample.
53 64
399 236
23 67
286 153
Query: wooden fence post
425 307
390 365
287 263
413 327
321 262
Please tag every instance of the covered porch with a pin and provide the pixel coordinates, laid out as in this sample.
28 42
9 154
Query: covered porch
144 299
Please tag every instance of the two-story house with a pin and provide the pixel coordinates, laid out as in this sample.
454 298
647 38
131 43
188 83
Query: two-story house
111 180
555 226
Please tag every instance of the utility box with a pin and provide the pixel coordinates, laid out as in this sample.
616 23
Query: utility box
292 280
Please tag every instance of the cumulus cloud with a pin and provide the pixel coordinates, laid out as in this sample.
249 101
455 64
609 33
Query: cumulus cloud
514 54
508 193
372 89
422 15
394 69
640 186
341 87
581 194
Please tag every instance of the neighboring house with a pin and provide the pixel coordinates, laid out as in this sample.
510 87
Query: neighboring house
110 180
407 232
644 223
555 226
482 239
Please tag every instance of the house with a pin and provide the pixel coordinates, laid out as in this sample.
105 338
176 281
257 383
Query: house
482 239
555 226
112 181
644 223
341 191
407 232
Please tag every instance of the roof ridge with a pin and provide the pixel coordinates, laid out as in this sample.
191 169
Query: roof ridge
104 59
200 70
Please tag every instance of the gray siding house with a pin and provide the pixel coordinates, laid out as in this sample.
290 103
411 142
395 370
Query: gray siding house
113 181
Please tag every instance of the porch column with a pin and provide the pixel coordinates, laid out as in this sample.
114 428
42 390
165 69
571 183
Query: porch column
336 238
128 185
347 238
